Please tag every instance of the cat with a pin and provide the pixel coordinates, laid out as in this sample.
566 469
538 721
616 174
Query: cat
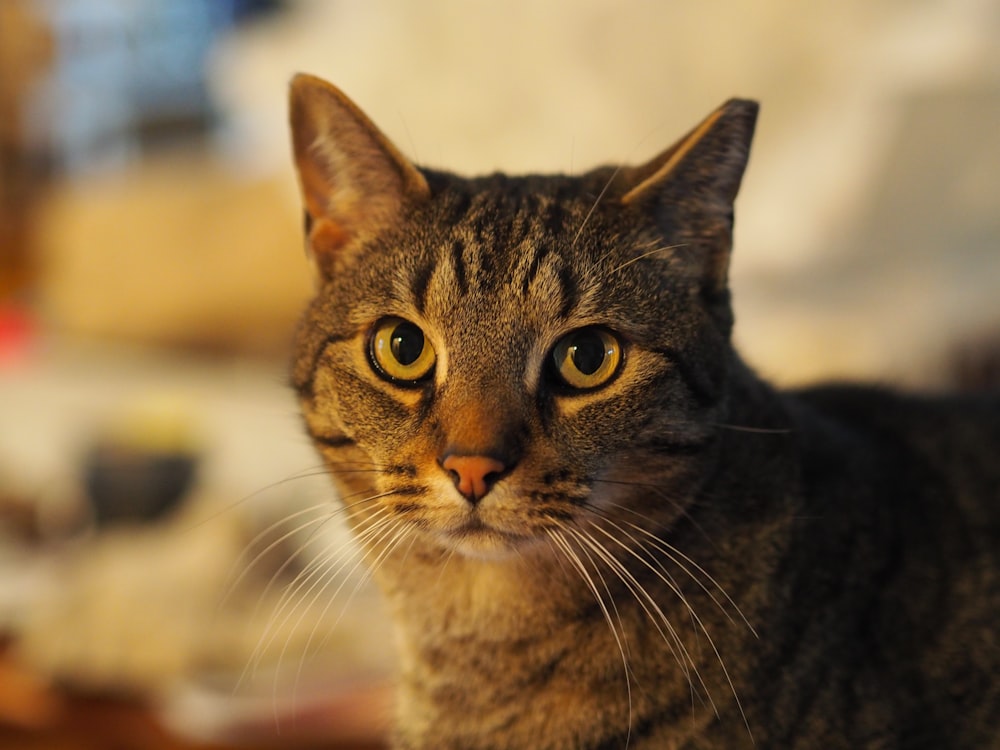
594 526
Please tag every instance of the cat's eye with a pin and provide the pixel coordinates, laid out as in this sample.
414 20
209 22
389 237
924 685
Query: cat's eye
400 351
587 358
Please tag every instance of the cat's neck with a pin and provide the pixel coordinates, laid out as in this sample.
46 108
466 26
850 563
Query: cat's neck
437 592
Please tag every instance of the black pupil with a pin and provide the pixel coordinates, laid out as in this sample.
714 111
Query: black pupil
588 353
407 343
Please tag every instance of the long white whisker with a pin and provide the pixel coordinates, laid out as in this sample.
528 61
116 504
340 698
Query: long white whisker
312 471
636 259
676 556
574 559
661 571
697 619
393 527
309 577
388 526
350 510
633 584
320 565
681 654
597 201
319 586
248 566
753 430
661 494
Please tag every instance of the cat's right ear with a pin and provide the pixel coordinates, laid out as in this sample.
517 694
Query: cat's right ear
354 182
693 185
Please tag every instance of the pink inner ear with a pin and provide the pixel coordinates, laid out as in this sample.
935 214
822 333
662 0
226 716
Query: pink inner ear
327 236
316 187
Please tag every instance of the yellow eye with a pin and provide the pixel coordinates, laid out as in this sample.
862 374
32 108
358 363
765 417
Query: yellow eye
400 351
587 358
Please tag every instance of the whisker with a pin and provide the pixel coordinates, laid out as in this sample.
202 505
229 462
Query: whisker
312 471
321 563
747 428
316 590
660 571
391 526
574 559
642 246
248 566
636 259
701 624
350 510
597 201
311 577
658 491
645 600
673 553
398 531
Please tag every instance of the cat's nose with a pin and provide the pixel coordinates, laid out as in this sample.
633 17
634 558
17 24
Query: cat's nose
473 475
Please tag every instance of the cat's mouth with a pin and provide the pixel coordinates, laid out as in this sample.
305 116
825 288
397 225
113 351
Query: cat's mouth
474 537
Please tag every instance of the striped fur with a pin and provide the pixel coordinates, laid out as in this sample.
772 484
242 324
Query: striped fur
680 557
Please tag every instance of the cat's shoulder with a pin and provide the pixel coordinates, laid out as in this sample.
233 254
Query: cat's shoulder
909 442
890 409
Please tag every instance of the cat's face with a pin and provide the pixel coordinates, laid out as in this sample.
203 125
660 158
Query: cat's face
490 360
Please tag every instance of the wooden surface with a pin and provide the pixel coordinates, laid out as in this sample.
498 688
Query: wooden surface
37 716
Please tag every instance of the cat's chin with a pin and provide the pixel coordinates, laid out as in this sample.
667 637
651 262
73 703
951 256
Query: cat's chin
482 542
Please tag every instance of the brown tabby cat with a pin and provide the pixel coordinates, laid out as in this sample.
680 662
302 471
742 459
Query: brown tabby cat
594 526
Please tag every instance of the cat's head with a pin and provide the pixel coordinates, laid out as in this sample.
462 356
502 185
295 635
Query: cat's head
488 360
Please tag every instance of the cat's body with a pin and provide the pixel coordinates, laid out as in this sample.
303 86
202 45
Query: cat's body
594 526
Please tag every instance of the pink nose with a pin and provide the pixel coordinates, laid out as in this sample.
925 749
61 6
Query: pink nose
473 475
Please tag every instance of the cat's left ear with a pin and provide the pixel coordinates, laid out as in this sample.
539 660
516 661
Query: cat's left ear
694 183
354 181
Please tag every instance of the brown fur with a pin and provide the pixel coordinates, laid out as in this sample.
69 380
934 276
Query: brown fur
679 556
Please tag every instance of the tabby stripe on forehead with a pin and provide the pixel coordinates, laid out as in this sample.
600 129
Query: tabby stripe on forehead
458 263
554 219
567 282
541 251
569 291
419 283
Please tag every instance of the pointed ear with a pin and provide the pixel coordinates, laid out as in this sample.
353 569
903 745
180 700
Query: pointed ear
707 163
693 184
354 181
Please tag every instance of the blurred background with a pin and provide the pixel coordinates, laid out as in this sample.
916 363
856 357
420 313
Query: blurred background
160 514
